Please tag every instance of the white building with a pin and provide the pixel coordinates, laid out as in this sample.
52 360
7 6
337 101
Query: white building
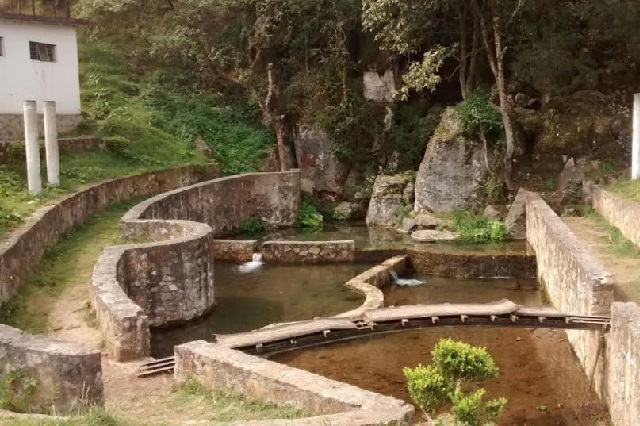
38 61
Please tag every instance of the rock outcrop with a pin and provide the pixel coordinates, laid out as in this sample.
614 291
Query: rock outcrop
433 236
320 169
386 199
516 220
453 171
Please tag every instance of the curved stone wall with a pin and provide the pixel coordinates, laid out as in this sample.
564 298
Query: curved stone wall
66 375
308 252
170 279
21 250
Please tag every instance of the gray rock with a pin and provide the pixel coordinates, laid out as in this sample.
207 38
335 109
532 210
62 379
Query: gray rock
433 236
386 199
320 170
351 210
202 146
516 220
522 100
490 212
452 174
409 193
426 220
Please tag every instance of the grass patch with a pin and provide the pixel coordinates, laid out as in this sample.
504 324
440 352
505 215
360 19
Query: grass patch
69 263
226 407
629 189
92 417
618 243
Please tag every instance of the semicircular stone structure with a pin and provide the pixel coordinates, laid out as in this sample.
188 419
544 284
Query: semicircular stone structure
168 277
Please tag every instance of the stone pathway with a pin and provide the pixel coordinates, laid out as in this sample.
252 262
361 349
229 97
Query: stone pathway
625 269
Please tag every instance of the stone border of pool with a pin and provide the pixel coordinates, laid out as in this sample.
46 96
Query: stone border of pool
577 282
624 214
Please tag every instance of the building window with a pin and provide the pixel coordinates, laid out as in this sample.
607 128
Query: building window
1 46
42 52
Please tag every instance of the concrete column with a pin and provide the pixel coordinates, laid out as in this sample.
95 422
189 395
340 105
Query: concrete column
31 147
635 154
51 142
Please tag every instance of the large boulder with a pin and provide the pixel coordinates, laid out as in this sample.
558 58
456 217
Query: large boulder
386 199
516 220
452 174
351 210
320 169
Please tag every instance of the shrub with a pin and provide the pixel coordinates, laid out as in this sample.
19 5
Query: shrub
308 216
254 226
15 391
434 386
116 144
474 229
479 118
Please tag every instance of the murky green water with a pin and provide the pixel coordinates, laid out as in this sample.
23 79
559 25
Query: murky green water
245 302
539 373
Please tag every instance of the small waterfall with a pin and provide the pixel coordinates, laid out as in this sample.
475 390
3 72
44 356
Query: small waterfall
252 266
404 282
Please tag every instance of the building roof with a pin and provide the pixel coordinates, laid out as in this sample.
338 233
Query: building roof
36 19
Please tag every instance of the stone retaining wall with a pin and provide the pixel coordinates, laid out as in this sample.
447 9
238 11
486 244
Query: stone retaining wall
234 250
620 212
308 252
370 281
67 376
330 402
170 280
441 263
22 249
574 279
12 125
623 360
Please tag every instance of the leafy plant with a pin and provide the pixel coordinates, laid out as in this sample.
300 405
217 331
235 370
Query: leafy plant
474 229
16 391
492 188
253 226
479 118
434 386
308 216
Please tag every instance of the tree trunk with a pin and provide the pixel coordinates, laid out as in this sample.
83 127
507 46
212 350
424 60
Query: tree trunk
276 122
281 137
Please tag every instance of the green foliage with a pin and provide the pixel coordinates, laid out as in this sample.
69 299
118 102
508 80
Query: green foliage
308 216
414 122
434 386
254 226
475 229
493 188
403 210
479 118
16 391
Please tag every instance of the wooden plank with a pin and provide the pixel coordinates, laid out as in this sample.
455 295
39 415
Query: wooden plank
503 307
163 369
284 331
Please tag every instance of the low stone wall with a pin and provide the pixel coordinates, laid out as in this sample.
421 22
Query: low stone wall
370 281
620 212
12 125
332 403
623 360
21 250
67 376
235 250
308 252
441 263
171 279
574 279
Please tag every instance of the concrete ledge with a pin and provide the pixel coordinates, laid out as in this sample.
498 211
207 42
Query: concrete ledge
235 250
574 279
620 212
67 375
623 359
370 281
308 252
331 402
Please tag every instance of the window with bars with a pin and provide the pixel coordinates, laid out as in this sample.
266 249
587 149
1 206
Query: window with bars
42 51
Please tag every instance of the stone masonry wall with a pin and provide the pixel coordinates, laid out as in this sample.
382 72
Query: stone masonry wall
308 252
574 279
66 375
235 250
12 126
330 402
623 360
21 250
224 203
620 212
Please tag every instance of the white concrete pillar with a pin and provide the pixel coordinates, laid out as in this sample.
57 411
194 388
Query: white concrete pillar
635 153
51 143
31 147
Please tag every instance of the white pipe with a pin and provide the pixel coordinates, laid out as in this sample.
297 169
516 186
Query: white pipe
635 153
32 149
51 143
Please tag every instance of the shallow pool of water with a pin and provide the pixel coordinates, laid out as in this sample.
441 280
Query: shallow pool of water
539 373
380 238
274 294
